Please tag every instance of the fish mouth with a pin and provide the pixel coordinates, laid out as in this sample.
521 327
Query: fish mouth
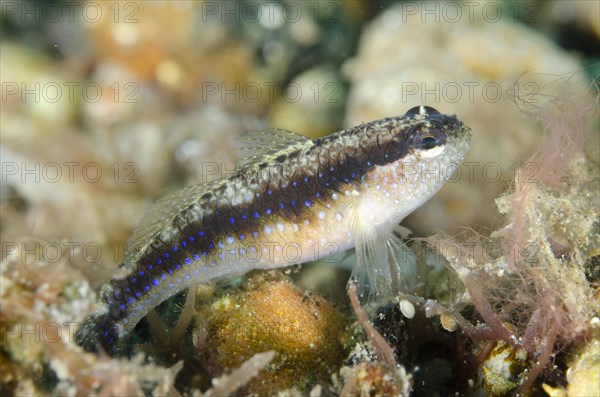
465 133
457 133
458 136
461 141
455 129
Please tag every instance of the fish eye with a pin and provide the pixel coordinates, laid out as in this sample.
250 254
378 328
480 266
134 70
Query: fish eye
429 142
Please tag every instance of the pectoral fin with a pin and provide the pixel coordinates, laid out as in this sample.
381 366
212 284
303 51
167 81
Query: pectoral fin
385 266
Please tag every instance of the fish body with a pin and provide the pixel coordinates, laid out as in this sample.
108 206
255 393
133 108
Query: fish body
294 200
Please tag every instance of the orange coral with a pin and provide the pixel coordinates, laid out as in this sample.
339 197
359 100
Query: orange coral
272 314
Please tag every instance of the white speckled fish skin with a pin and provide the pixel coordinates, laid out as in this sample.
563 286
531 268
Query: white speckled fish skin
295 200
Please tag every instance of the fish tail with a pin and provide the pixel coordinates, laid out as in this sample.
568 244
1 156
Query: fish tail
99 332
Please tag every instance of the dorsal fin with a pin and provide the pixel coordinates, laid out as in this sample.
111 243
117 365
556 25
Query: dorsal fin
262 146
160 215
255 147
